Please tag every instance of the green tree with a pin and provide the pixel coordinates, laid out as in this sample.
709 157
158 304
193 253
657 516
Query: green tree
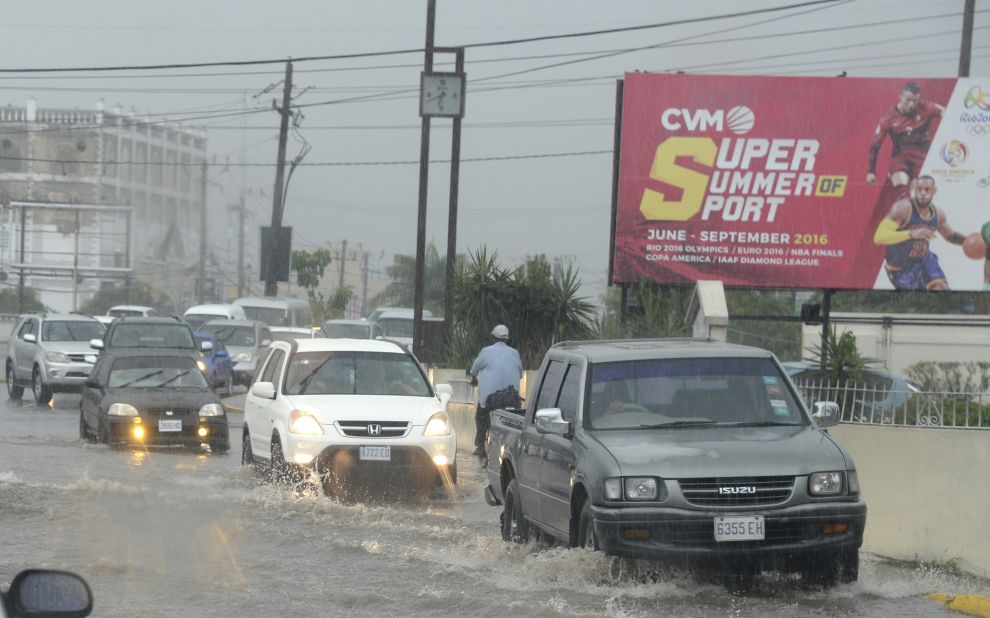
839 358
309 267
10 300
538 308
335 306
401 291
652 311
134 293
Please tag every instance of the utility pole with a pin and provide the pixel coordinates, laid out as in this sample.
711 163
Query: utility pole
343 259
240 208
965 51
424 172
364 284
75 267
275 245
201 277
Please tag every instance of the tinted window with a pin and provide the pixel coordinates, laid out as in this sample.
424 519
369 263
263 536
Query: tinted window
232 335
137 335
196 320
125 313
271 316
396 327
570 393
548 391
71 330
156 372
717 390
274 361
355 373
346 331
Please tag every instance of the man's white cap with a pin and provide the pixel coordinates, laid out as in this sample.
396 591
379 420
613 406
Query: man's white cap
500 332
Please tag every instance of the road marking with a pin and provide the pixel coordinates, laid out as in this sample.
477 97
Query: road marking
972 604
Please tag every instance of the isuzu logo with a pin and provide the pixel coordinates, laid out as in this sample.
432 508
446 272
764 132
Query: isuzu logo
374 429
742 489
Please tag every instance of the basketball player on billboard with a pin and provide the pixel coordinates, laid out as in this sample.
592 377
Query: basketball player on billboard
906 232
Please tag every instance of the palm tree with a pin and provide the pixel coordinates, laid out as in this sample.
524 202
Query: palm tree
401 292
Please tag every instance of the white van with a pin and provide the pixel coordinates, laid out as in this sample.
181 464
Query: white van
397 323
131 311
277 311
198 315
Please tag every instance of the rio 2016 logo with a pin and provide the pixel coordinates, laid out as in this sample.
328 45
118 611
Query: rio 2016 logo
977 98
955 153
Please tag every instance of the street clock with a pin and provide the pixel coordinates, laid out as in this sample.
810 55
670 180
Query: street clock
441 94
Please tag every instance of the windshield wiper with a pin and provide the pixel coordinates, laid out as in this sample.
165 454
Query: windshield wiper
694 423
305 381
144 377
757 424
175 377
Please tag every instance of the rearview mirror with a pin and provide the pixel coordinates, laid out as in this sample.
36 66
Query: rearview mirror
551 420
29 337
37 592
205 346
826 413
96 344
266 342
263 390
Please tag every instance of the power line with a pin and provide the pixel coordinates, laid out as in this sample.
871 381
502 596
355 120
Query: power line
571 35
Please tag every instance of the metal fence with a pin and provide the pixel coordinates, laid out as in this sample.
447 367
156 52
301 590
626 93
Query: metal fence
876 404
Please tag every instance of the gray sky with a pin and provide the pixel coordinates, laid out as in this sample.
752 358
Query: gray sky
557 206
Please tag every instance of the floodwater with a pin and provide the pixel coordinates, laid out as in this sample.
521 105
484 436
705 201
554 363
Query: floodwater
165 532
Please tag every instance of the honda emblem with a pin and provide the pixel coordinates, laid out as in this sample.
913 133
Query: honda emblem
374 429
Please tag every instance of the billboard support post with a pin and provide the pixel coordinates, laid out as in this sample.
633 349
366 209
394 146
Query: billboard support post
826 324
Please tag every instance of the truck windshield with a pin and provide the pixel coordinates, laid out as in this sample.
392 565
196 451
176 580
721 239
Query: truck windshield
690 392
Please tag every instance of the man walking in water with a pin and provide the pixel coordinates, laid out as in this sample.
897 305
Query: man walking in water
498 370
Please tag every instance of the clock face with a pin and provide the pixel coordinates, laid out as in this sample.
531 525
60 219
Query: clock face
442 94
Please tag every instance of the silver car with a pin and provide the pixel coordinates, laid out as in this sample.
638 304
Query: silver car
245 340
50 353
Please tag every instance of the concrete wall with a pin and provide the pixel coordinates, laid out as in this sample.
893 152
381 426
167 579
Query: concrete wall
927 491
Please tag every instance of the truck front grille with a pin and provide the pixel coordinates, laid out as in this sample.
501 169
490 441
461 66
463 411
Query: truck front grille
737 491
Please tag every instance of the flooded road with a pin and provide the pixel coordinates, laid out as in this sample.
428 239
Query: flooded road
165 532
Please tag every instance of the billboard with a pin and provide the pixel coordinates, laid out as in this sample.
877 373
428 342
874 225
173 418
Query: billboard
804 182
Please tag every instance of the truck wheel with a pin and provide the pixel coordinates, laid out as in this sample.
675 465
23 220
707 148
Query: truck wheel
514 526
14 391
849 566
827 569
586 528
42 393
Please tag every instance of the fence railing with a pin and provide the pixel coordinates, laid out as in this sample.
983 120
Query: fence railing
875 404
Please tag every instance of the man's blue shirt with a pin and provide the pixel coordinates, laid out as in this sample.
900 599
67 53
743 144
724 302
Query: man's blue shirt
497 366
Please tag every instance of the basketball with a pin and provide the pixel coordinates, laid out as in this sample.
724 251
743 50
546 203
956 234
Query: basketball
974 247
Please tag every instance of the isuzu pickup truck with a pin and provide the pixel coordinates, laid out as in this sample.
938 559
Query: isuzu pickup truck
685 450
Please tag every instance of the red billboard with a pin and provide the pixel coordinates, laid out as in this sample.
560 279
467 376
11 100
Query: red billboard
796 182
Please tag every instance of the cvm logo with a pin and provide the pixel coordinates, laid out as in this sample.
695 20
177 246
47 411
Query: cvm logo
739 119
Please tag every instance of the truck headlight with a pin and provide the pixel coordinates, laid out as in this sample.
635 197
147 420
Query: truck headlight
304 423
825 484
122 409
243 357
57 357
437 425
633 488
853 480
211 409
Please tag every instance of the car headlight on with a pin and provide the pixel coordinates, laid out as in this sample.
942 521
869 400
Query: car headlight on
211 409
201 365
633 488
438 425
122 409
243 357
304 423
57 357
825 484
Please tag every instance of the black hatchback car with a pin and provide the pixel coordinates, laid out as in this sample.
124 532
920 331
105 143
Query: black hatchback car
156 396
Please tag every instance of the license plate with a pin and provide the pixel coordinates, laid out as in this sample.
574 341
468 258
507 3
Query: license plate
175 425
375 453
739 528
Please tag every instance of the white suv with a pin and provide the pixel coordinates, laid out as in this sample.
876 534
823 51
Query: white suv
352 412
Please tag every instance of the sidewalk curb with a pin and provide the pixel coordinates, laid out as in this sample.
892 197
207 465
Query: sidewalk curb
972 604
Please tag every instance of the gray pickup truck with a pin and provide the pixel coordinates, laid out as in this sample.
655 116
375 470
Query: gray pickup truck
684 450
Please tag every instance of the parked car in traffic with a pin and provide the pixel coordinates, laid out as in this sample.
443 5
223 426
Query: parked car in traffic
684 450
152 396
288 333
876 393
138 332
244 340
352 329
50 353
219 368
198 315
354 413
397 323
277 311
132 311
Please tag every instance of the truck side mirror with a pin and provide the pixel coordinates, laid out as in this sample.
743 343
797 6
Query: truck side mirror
551 420
30 338
96 344
826 413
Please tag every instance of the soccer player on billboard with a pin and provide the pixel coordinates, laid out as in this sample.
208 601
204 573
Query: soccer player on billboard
907 124
906 232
